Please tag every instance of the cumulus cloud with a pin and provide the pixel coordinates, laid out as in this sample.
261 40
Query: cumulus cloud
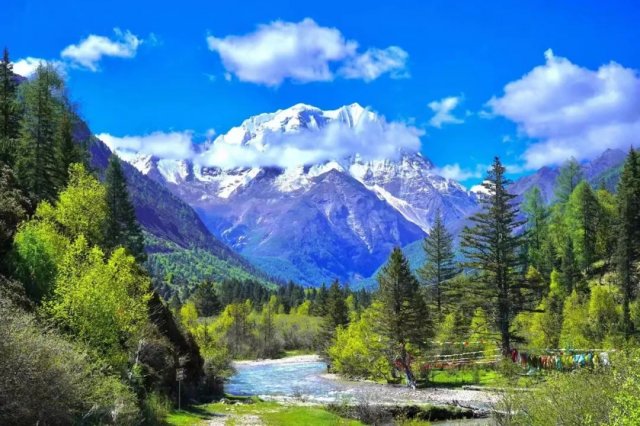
335 141
26 67
375 62
443 111
171 145
455 172
303 52
89 51
570 110
370 140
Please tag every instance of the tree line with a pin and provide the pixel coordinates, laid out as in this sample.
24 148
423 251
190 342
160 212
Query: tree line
521 274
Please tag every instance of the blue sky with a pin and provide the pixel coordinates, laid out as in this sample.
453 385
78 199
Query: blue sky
169 67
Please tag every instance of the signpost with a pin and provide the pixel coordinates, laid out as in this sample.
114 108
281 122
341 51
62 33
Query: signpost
181 374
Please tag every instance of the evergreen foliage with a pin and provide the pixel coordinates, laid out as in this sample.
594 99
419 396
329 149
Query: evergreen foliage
440 265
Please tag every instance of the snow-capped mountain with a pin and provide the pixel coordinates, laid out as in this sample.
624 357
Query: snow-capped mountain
334 218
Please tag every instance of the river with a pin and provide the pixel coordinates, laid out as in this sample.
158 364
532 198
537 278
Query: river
305 379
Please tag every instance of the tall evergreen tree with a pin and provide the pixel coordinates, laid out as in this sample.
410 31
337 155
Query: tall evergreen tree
570 176
122 228
537 215
9 111
569 272
440 265
582 214
628 234
491 248
67 151
206 300
403 318
336 314
36 165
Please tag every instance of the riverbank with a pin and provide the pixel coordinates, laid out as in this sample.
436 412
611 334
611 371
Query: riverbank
303 380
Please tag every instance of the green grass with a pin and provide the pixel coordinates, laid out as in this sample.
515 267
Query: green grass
453 378
270 413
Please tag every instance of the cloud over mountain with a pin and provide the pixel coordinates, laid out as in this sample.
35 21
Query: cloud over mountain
570 110
303 52
296 136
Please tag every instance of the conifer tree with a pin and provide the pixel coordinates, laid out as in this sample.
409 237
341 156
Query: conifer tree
36 165
628 235
491 248
537 215
9 111
403 318
570 176
122 228
582 214
336 314
206 300
440 264
570 274
67 151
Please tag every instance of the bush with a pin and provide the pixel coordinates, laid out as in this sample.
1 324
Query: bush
582 397
45 379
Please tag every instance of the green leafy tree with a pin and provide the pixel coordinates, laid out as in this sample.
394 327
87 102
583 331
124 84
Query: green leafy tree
403 318
122 228
101 303
36 165
81 208
491 247
628 235
440 264
9 110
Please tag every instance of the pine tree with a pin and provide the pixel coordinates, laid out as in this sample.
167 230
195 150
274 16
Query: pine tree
9 111
440 265
491 248
36 164
67 151
403 317
628 235
122 227
570 176
537 214
206 299
570 275
582 214
336 314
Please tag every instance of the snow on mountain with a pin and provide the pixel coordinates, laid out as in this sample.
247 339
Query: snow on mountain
336 218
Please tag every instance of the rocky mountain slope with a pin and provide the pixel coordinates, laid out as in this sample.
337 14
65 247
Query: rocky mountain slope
337 218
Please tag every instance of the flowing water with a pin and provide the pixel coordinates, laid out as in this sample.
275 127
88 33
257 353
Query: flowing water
304 378
300 378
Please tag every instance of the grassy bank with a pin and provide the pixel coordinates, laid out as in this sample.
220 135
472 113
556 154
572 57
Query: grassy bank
256 412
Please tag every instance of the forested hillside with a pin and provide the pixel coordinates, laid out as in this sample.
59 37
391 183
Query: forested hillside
84 337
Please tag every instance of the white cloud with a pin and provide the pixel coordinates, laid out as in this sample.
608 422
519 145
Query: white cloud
443 111
172 145
92 49
375 62
370 139
571 110
303 52
26 67
455 172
